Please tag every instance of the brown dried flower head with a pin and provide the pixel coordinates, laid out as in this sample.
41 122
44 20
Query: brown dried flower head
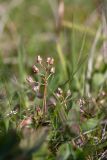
39 59
81 102
35 69
36 87
30 80
39 111
50 61
52 70
59 92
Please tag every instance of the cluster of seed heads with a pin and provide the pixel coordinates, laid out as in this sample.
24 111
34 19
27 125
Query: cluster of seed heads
63 97
60 93
42 68
48 67
45 69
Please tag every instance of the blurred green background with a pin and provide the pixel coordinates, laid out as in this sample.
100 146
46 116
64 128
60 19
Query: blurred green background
27 29
31 26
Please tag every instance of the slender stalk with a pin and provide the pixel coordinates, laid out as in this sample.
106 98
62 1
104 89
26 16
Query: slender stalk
44 96
62 58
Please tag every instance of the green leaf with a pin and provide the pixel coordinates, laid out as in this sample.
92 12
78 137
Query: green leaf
90 124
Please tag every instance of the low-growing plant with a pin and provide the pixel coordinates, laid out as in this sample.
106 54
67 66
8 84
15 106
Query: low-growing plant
55 124
76 122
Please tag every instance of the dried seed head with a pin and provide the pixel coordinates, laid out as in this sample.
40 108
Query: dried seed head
81 102
59 92
36 88
39 111
35 69
39 59
30 80
52 70
50 61
103 93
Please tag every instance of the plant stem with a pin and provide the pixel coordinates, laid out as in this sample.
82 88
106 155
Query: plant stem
44 97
